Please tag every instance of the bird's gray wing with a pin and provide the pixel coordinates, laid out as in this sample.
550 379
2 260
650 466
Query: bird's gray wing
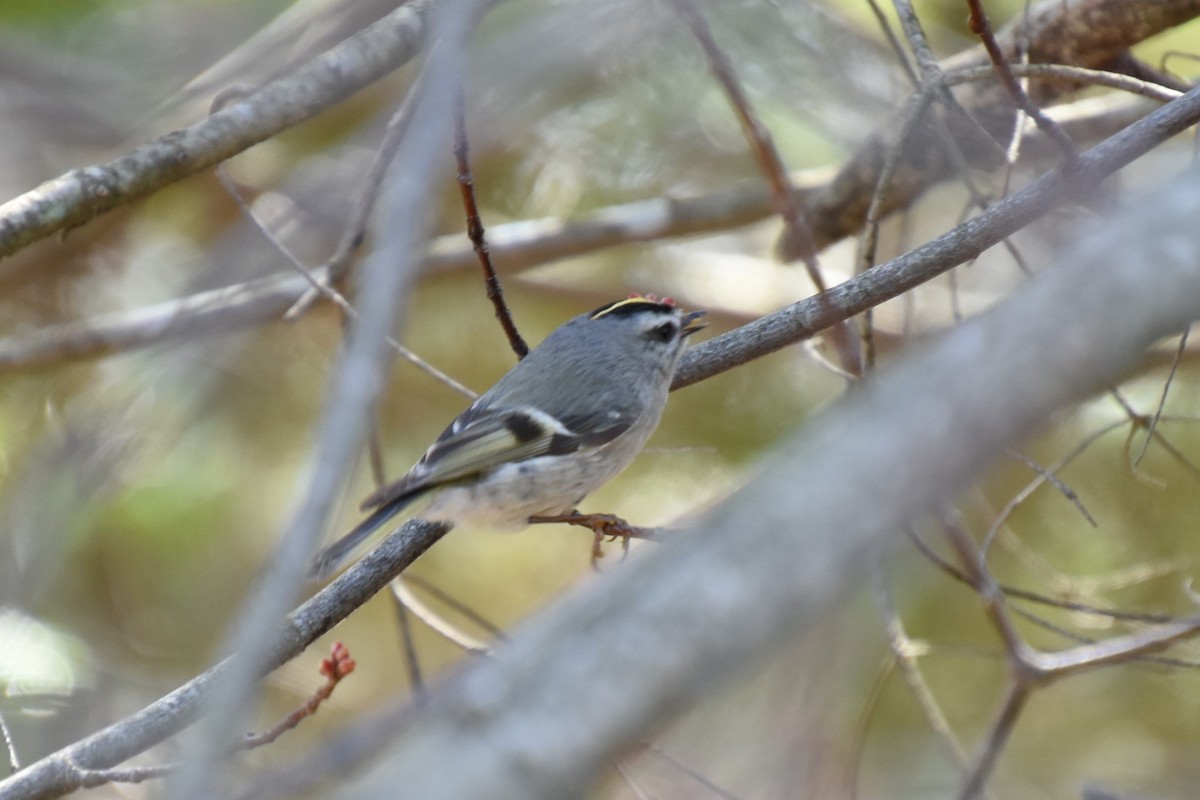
480 439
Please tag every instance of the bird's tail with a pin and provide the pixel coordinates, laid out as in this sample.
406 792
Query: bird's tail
329 559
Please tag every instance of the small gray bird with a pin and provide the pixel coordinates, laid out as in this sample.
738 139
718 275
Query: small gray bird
563 422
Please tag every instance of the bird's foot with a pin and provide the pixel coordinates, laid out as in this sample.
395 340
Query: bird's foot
602 526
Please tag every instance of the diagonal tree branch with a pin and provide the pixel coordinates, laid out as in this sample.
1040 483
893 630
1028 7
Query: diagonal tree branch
52 776
531 242
384 287
82 194
518 244
1087 33
963 242
543 716
63 772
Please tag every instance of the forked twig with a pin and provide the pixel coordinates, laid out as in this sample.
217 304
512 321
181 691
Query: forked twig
1032 668
982 27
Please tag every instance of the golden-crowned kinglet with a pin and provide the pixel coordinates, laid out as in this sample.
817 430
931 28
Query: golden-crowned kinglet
565 420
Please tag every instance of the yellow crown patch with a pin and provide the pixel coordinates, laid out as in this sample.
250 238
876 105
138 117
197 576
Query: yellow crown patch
632 302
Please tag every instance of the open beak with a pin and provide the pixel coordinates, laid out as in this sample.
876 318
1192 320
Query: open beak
690 323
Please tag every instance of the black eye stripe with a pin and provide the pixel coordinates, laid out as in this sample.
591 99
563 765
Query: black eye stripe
665 332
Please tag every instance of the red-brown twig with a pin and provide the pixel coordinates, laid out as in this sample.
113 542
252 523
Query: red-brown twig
982 27
466 184
336 667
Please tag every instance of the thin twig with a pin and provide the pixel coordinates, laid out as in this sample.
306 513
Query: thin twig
1042 477
906 653
10 747
1141 420
893 40
998 734
1035 597
355 232
769 161
971 563
980 25
325 288
1071 636
1068 73
466 185
1117 650
412 661
870 705
458 606
439 624
375 461
335 668
1063 489
654 749
869 241
1162 400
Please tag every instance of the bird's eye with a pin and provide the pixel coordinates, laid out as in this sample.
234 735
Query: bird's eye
664 332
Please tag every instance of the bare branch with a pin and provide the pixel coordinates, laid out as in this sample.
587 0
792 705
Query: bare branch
517 244
762 144
1089 33
83 194
383 286
59 773
1162 400
891 279
549 710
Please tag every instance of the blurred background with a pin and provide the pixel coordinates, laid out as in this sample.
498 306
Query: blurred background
141 493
